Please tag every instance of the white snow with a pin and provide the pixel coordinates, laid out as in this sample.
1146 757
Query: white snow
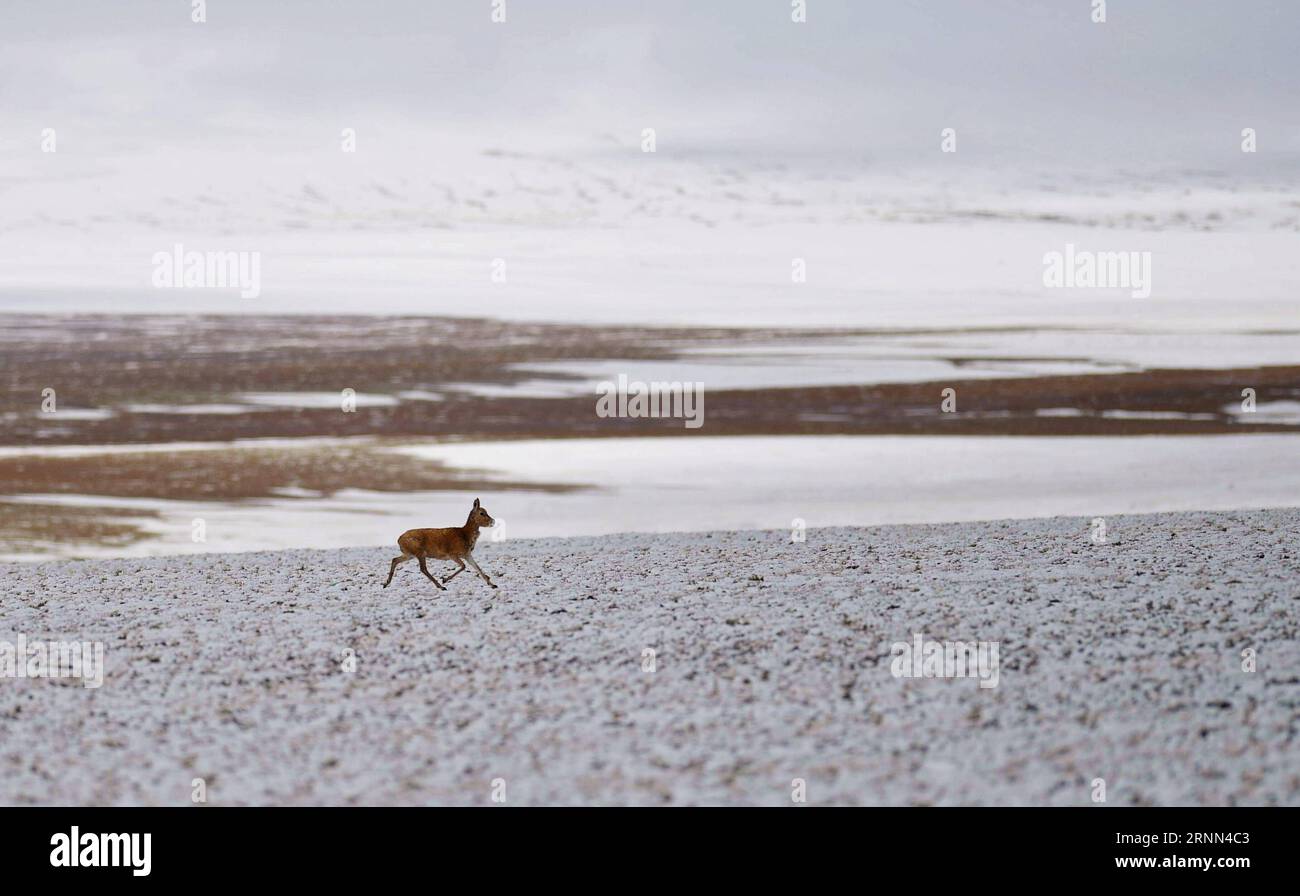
215 408
674 483
75 414
1267 412
315 399
771 661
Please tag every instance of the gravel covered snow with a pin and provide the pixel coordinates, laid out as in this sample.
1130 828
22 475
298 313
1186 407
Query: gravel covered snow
772 661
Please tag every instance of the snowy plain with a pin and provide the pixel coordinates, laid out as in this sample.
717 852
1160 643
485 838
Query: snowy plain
1119 660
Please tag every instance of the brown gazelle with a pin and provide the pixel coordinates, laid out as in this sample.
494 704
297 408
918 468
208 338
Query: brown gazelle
453 543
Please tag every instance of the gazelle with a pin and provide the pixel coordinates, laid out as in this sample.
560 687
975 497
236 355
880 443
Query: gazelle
453 543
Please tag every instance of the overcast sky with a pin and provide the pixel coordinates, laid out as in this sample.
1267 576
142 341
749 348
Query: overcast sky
1161 80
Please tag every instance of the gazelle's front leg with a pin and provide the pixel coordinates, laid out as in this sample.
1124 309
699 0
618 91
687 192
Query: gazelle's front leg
469 558
457 572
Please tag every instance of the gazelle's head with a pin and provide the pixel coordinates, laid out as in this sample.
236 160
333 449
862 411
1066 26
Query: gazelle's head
481 517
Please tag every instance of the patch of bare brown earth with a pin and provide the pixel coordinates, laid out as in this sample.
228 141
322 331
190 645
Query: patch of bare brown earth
118 367
115 364
227 475
29 527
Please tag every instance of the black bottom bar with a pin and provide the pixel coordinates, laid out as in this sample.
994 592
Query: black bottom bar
531 846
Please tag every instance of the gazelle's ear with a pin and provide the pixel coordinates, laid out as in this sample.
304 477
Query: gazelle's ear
476 503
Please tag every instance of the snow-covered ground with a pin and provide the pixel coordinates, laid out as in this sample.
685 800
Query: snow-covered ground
891 275
771 662
610 234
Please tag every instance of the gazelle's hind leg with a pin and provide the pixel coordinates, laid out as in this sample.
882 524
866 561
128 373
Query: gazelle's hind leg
481 574
397 561
424 569
457 572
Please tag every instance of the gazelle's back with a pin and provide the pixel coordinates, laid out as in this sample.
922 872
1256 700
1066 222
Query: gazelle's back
441 543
